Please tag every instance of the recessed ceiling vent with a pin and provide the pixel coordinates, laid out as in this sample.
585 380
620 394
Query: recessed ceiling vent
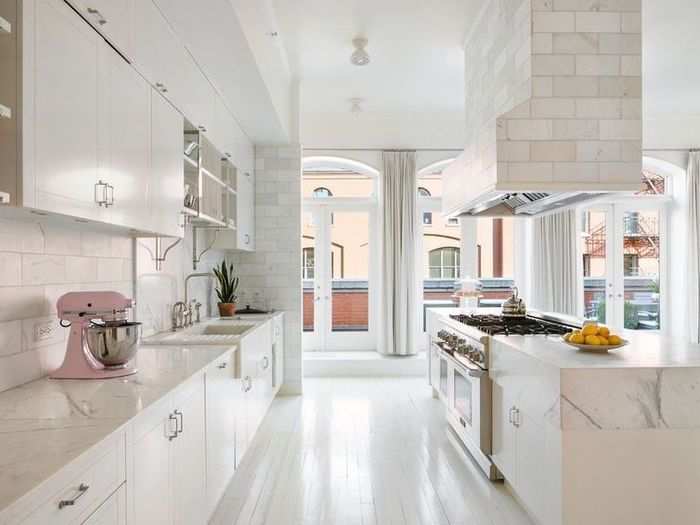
359 57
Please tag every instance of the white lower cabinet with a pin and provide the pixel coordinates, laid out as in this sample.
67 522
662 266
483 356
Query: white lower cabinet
224 404
167 472
519 448
112 511
171 463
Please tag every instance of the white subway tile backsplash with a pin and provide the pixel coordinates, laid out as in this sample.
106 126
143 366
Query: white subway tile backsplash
39 262
109 269
529 129
631 66
597 22
621 130
10 269
597 151
81 269
597 65
632 23
575 129
10 338
575 86
553 22
552 65
43 269
553 151
604 108
575 43
553 108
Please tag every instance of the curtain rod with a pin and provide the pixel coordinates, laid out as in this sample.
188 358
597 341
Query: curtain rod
680 150
382 149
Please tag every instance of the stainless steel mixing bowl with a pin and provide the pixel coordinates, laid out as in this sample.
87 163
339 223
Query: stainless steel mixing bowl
113 346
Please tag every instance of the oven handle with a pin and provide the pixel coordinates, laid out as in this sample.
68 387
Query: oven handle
472 370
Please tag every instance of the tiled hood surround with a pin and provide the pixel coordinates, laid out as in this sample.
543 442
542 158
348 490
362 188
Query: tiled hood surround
553 100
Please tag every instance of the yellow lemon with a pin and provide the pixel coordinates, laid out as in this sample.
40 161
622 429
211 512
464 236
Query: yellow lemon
589 329
603 331
614 340
577 339
592 340
603 340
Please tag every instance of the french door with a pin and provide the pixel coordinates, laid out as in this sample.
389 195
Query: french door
623 247
339 255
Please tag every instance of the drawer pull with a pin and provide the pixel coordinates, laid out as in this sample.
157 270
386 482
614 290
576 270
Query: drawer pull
222 365
266 363
82 489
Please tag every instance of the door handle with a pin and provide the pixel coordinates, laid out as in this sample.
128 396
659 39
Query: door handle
266 363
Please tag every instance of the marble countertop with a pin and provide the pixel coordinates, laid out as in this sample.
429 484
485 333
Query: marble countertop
46 424
646 349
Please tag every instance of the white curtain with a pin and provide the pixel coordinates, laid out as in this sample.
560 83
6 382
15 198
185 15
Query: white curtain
555 279
399 306
693 282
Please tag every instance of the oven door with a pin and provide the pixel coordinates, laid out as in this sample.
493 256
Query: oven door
465 408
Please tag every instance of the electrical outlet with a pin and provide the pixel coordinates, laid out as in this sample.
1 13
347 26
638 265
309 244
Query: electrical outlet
44 330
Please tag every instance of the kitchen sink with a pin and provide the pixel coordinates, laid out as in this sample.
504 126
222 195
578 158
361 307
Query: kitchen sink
212 333
226 329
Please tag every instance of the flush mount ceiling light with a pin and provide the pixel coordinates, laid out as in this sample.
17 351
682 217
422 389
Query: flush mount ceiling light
359 57
355 107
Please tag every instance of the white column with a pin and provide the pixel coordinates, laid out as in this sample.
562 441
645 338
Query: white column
469 249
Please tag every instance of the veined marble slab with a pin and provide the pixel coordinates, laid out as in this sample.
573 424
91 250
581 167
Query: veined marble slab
46 424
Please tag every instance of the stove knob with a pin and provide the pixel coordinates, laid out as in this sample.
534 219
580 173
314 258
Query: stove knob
461 341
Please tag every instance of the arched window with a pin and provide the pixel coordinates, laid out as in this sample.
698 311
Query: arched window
444 263
423 192
322 192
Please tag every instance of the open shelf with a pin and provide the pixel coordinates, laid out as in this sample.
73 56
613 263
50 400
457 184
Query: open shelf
5 112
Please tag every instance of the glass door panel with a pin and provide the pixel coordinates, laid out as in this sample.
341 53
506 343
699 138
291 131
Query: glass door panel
597 284
641 268
350 254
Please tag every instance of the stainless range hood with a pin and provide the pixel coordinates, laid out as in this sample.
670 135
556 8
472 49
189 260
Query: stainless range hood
501 204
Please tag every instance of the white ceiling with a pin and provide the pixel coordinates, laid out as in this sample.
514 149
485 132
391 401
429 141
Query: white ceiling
671 55
416 49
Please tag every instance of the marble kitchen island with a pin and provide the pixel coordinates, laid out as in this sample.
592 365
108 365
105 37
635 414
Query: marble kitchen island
599 439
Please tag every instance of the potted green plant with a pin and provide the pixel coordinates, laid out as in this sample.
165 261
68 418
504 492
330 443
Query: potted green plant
226 289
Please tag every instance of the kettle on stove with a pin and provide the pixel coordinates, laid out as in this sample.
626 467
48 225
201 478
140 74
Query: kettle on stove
514 306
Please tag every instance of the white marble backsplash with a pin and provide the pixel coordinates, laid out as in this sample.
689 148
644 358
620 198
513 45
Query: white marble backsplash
40 261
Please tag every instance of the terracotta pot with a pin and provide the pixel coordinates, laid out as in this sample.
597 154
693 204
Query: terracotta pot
227 309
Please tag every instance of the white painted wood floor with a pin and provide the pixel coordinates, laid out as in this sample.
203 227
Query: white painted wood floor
361 451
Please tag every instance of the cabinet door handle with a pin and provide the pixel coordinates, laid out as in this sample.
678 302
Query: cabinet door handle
247 238
222 365
82 489
104 194
94 12
250 384
161 87
516 417
266 363
180 422
172 417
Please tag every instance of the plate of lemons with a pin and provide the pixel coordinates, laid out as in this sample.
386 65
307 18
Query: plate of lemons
594 338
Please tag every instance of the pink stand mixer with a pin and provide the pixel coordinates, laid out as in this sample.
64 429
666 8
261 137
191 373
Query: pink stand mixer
102 342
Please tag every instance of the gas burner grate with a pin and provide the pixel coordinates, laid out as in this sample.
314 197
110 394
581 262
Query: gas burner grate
498 325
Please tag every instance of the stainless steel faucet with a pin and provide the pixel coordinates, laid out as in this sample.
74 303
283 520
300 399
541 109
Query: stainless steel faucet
189 307
178 315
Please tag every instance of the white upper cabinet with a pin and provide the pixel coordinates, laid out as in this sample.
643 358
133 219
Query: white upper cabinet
127 99
112 18
198 104
65 118
167 190
158 53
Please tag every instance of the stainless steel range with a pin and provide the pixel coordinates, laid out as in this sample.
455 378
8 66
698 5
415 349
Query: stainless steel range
459 364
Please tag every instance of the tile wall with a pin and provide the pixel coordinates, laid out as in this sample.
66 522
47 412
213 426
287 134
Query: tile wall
40 261
275 268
